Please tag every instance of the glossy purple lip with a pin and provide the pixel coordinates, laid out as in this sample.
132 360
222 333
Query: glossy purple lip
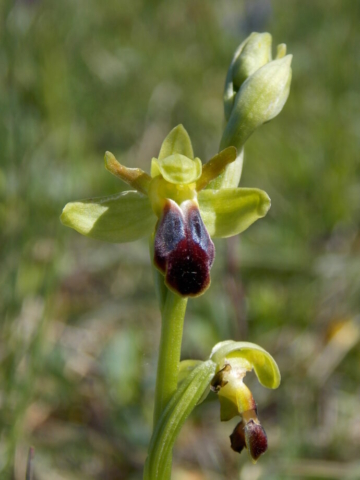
183 250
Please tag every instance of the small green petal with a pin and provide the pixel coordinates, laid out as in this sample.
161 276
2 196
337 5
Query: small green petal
178 141
119 218
231 175
178 169
263 363
230 211
134 177
154 171
215 166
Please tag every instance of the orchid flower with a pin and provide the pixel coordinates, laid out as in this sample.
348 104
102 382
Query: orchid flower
173 207
234 360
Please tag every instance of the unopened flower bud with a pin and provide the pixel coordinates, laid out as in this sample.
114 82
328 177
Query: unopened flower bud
256 88
255 53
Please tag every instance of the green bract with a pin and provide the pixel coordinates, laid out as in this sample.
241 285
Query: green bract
187 396
174 199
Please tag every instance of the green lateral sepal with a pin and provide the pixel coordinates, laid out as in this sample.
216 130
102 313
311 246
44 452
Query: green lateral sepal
230 211
123 217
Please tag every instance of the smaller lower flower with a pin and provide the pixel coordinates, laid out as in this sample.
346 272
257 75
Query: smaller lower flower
223 372
235 359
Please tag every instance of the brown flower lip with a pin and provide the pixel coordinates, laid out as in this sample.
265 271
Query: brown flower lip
250 435
237 438
256 439
183 249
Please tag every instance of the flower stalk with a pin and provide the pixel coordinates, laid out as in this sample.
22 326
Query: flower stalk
172 322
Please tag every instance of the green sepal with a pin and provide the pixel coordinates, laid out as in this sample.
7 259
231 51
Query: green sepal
173 417
177 169
264 365
230 177
120 218
177 141
230 211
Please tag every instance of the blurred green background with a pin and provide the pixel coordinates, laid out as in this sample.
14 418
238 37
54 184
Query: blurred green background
79 320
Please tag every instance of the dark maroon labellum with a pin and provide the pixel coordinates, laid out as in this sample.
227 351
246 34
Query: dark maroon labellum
183 249
250 435
237 438
256 439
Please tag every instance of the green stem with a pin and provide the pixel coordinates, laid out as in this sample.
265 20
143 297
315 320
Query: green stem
173 309
172 322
